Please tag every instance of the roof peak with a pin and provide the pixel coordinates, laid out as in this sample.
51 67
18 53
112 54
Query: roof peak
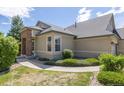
111 14
98 17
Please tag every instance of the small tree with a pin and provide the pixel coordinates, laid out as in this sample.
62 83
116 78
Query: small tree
67 53
8 51
16 26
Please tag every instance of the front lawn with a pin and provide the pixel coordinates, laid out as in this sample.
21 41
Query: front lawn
24 76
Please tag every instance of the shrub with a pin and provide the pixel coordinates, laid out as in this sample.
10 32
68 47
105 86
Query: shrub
120 63
111 62
67 54
8 51
69 62
65 62
91 61
74 62
111 78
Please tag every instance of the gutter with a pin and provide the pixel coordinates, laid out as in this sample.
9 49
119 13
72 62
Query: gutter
94 36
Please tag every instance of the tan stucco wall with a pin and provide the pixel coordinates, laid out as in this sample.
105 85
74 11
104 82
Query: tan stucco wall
92 47
41 44
115 39
86 47
67 42
120 48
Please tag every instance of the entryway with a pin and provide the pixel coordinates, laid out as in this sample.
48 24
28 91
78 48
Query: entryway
24 46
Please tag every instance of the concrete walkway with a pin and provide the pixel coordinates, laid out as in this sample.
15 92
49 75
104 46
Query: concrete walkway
39 65
94 81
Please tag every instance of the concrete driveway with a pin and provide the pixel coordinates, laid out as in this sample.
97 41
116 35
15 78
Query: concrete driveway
39 65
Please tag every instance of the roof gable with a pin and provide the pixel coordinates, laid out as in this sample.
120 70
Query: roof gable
50 27
42 25
94 27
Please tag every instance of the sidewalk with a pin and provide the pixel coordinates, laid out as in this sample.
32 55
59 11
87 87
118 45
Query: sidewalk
39 65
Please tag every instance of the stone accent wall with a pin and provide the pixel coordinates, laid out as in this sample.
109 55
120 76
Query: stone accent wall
28 46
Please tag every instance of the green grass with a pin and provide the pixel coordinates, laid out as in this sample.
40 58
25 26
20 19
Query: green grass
24 76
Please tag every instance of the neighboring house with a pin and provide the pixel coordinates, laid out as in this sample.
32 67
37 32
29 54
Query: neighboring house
85 39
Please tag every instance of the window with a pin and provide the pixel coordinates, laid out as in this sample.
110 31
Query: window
57 44
49 44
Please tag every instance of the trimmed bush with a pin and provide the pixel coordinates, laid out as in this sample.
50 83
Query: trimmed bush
68 62
111 78
67 54
91 61
74 62
8 51
112 62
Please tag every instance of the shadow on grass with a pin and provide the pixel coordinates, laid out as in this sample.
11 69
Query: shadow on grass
4 71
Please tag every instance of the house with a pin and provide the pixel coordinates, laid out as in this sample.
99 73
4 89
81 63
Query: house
86 39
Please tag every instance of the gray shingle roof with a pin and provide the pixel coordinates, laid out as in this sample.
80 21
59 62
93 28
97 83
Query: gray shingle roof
121 32
51 27
92 27
57 29
32 27
35 27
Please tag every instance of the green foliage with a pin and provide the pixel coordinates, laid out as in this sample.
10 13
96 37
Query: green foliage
112 62
68 62
75 62
16 26
111 78
8 51
91 61
67 53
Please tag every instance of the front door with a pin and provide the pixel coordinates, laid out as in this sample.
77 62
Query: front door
24 46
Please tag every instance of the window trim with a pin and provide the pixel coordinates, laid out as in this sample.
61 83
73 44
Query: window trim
58 36
47 43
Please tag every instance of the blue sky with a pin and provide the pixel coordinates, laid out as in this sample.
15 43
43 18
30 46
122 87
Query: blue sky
59 16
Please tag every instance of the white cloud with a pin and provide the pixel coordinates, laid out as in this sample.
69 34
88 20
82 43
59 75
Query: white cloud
5 23
83 14
114 10
13 11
